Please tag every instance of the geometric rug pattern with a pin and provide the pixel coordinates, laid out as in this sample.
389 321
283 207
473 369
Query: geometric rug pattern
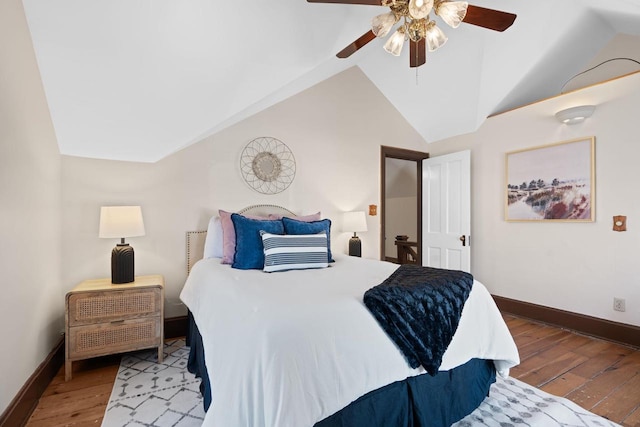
512 403
150 394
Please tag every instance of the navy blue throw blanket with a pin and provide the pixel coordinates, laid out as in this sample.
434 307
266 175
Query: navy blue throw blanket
419 308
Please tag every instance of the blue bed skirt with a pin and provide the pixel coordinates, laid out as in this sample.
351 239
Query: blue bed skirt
421 401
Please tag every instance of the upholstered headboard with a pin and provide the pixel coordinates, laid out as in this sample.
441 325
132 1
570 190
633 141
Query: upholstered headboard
196 239
266 210
195 247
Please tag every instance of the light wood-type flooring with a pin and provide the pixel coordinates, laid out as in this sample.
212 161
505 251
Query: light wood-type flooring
598 375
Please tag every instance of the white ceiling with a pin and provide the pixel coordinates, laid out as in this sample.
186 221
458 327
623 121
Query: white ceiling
139 80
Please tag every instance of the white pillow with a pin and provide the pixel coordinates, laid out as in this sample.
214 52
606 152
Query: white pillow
294 252
213 243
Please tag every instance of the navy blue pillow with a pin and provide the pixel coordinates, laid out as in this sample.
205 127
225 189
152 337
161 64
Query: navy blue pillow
292 226
249 251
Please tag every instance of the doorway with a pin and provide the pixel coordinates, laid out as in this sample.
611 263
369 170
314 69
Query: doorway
401 205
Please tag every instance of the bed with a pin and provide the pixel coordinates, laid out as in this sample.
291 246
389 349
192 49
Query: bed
299 348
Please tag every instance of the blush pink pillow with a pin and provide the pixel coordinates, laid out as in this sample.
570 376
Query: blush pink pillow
229 235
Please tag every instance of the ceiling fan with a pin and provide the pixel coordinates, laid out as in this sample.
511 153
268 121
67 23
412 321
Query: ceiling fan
417 26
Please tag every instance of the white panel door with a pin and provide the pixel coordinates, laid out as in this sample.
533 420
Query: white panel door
446 210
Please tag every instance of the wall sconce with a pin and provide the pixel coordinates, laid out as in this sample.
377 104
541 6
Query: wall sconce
573 115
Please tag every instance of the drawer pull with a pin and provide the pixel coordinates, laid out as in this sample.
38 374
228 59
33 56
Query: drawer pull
115 322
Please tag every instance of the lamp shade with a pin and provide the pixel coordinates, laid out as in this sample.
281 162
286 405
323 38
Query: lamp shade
121 221
575 115
435 37
382 24
354 221
395 42
452 12
419 9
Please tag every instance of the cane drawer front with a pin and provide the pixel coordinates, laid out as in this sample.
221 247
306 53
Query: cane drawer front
98 307
114 337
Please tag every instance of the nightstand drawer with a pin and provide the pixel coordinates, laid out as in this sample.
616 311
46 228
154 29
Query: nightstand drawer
98 307
114 337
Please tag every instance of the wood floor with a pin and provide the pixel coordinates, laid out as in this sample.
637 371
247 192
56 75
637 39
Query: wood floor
598 375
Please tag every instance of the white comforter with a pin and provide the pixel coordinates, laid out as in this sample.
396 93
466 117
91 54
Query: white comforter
291 348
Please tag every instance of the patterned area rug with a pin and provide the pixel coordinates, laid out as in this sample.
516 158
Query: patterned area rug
157 395
153 394
512 403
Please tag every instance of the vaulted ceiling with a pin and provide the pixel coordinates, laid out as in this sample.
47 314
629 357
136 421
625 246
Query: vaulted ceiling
139 80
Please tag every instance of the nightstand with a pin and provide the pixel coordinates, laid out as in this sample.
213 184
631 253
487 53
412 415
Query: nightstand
102 318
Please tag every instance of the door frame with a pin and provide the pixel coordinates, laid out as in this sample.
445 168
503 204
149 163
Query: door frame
387 152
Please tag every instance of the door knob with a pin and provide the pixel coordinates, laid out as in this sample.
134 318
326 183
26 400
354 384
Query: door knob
463 239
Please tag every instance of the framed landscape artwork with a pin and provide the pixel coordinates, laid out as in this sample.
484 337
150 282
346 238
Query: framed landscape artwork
552 182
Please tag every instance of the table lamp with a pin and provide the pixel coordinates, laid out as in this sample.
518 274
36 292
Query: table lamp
354 221
120 222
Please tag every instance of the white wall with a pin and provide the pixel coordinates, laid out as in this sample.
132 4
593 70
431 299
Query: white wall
32 299
335 131
579 267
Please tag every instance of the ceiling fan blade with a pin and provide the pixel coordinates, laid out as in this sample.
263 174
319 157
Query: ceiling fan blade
367 2
417 53
353 47
489 18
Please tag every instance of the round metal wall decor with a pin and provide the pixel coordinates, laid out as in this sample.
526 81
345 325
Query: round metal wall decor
267 165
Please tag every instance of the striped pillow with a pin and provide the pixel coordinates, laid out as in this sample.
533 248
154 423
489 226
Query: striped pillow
294 252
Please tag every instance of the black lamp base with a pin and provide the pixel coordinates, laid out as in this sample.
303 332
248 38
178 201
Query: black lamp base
122 268
355 246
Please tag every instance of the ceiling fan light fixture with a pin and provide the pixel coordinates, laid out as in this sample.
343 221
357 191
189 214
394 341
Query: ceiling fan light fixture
395 42
416 30
419 9
452 12
417 25
382 24
435 37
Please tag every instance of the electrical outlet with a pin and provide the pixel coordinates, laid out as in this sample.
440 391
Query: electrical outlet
619 304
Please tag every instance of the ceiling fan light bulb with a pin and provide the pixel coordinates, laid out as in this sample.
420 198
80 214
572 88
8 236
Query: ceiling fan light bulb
382 24
419 9
452 12
395 42
435 37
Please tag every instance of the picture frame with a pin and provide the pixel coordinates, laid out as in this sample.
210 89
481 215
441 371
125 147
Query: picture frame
554 182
